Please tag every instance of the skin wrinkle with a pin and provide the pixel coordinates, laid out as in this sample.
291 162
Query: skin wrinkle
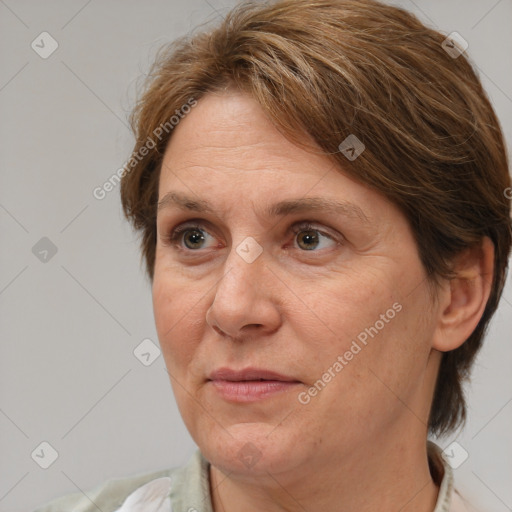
186 203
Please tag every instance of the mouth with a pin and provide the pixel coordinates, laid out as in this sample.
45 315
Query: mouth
250 384
249 374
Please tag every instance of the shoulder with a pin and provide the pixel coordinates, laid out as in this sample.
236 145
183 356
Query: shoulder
110 495
107 496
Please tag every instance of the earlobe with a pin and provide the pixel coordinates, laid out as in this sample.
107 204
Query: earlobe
465 297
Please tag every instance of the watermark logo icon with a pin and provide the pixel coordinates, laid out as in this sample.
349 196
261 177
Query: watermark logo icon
146 352
44 455
249 249
44 250
454 45
249 455
455 455
351 147
44 45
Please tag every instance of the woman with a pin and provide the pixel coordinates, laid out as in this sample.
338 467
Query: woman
320 186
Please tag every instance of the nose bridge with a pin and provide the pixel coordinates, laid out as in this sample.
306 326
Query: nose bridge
244 266
241 298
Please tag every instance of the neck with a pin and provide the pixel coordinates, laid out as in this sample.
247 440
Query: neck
374 478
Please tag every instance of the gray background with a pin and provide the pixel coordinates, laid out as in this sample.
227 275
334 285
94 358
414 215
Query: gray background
68 375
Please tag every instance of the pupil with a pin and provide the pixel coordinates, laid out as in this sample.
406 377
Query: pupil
309 238
196 236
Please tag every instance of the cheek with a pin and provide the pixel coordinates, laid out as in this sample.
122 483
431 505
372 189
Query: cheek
174 310
352 301
373 311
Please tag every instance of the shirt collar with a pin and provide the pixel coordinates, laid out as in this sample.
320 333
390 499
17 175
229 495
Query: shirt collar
442 475
150 497
448 500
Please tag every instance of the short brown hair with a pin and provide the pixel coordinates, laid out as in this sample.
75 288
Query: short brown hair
332 68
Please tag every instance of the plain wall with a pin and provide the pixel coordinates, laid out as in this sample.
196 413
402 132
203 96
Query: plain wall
69 325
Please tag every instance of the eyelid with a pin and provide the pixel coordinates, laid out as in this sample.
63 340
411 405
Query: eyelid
306 225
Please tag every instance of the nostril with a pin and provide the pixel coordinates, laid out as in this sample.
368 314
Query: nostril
217 330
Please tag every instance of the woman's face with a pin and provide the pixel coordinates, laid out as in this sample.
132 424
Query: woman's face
267 279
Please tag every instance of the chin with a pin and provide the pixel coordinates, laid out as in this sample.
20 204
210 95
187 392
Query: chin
249 448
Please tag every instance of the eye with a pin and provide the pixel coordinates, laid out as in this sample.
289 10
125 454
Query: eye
193 236
308 236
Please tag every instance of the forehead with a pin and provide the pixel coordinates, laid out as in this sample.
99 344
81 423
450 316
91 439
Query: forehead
227 151
228 135
227 128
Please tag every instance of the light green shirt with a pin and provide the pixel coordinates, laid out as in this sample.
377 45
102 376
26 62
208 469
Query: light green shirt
190 490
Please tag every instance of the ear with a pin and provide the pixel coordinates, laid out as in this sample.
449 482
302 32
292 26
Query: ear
462 300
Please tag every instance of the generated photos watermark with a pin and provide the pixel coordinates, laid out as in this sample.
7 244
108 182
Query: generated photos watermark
101 192
343 360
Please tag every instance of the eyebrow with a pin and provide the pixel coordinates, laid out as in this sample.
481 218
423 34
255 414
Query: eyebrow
280 209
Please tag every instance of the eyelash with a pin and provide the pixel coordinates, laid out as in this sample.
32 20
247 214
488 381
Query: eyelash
175 234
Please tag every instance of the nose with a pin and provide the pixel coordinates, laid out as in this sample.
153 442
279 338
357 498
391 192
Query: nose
246 300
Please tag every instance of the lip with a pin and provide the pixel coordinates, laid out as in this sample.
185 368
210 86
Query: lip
250 384
253 374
